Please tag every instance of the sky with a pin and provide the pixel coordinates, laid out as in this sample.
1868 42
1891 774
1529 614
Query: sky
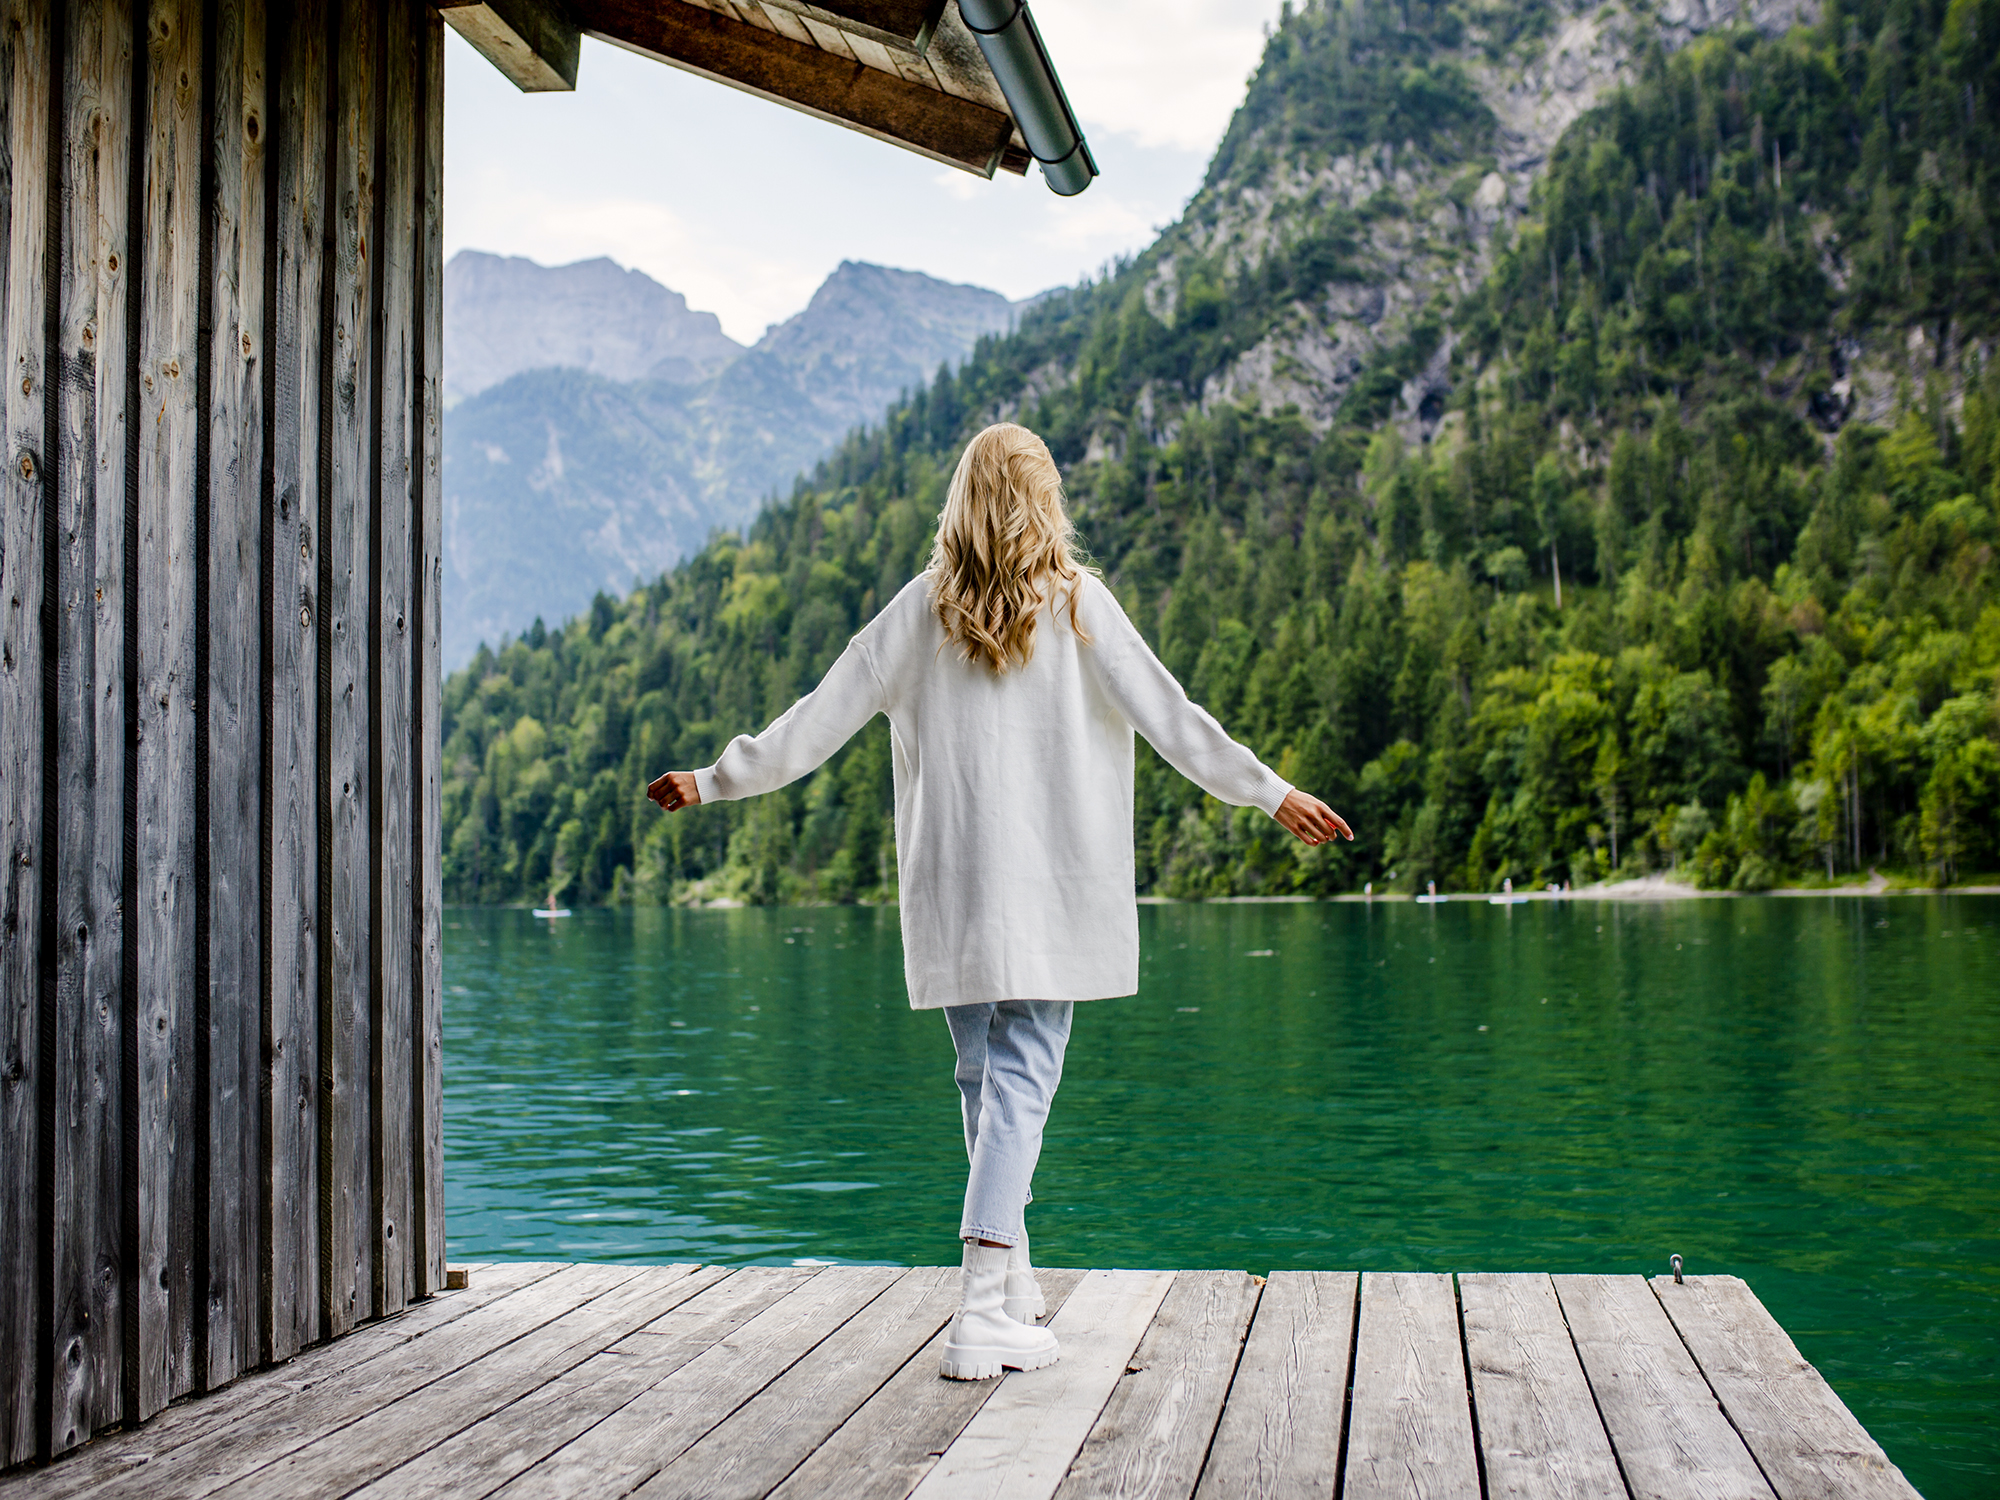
745 207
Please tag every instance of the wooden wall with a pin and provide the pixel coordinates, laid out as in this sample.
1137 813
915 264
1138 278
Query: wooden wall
219 569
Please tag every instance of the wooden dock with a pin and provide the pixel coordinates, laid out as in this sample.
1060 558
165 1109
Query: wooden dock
549 1380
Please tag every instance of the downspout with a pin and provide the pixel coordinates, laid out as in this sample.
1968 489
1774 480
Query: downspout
1021 67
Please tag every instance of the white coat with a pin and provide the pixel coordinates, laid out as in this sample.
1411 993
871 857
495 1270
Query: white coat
1013 792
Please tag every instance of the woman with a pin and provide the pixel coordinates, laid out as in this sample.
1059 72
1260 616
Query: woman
1013 683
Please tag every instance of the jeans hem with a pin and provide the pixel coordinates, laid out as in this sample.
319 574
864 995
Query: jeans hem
1011 1240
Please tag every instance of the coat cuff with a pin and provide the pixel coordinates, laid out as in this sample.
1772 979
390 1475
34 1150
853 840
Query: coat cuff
1273 798
704 785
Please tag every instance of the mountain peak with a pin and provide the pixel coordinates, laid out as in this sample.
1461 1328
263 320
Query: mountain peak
507 314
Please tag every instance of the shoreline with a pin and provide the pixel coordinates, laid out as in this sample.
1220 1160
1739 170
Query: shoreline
1646 888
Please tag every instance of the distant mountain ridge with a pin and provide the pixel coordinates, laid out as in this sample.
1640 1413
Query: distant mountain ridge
598 429
507 314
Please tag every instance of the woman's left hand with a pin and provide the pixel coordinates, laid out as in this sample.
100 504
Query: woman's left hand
1311 820
675 790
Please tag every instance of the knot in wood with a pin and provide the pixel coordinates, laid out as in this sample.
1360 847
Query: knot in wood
27 472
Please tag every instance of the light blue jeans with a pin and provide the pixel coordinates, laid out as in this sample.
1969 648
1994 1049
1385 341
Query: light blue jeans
1010 1057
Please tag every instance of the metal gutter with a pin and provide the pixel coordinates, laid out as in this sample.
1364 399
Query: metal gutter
1020 64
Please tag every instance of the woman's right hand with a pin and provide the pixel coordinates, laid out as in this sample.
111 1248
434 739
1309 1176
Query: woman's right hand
675 790
1309 819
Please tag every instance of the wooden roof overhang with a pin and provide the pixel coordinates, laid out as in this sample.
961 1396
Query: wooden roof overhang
910 72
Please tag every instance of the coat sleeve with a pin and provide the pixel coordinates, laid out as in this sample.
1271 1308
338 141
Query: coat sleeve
801 739
1141 688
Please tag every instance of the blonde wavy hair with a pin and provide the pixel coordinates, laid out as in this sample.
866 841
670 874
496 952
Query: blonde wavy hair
1005 546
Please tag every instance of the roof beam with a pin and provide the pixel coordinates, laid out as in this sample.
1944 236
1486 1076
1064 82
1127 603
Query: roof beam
955 131
533 42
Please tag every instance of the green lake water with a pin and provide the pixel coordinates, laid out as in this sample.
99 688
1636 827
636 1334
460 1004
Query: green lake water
1804 1093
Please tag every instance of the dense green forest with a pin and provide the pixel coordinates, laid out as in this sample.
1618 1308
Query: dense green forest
1643 589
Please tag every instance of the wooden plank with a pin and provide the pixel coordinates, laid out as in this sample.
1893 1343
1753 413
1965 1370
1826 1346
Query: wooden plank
1410 1429
1156 1429
750 1453
239 1449
166 734
1802 1435
86 1321
1670 1435
427 536
486 1453
26 28
958 132
1021 1443
901 25
391 755
1539 1432
230 1333
337 1456
1279 1434
662 1421
886 1447
115 1457
829 39
533 43
346 537
291 775
777 18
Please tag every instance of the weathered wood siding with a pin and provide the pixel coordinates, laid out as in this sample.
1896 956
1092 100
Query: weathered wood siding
220 284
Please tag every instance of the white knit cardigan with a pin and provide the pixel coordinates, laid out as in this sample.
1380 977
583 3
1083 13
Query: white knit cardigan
1013 792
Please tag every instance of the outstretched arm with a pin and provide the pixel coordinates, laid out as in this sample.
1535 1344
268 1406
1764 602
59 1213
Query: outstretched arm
1187 735
797 743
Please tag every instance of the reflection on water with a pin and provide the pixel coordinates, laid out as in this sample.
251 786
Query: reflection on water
1803 1093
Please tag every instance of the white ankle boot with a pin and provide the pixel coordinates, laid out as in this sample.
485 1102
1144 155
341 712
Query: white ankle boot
1024 1302
982 1340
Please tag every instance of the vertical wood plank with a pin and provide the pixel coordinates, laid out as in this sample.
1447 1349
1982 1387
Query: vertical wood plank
1156 1430
163 926
347 536
391 755
25 34
291 779
234 721
1672 1440
1539 1431
1279 1437
87 1286
1410 1432
1802 1435
427 535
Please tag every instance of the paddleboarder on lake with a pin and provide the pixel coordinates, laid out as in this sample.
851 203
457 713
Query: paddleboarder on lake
1013 683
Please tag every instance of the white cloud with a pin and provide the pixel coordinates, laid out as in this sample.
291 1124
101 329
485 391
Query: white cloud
1165 72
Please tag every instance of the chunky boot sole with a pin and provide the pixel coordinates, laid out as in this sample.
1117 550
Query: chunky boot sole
987 1362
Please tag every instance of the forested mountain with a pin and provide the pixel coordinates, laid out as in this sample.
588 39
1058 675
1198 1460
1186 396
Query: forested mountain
1571 452
606 430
